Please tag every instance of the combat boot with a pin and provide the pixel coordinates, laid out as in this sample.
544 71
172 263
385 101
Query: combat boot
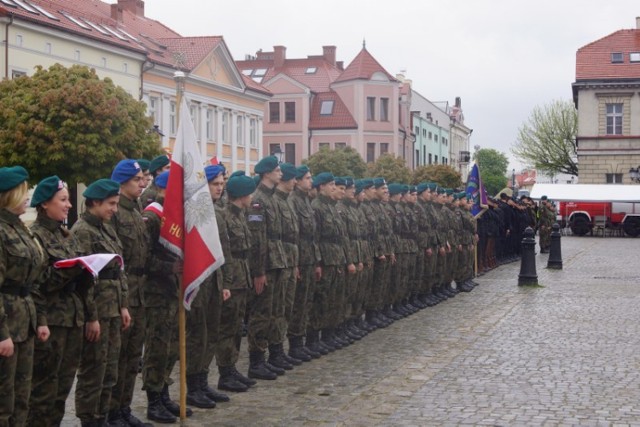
341 334
114 419
313 343
329 340
131 419
258 368
156 411
228 381
296 351
355 329
195 395
244 380
171 406
373 320
212 394
276 358
288 358
366 325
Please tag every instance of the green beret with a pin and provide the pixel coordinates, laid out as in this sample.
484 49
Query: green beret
289 171
11 177
379 182
366 183
144 164
349 181
422 187
266 165
413 189
432 186
448 191
302 171
440 190
102 189
323 178
256 179
341 180
46 189
238 173
359 186
158 163
240 185
543 198
395 188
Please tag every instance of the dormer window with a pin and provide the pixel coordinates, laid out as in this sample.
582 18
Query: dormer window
326 108
311 70
617 58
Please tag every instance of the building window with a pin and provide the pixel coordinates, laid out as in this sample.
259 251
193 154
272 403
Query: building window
17 73
371 152
209 125
47 48
430 135
384 148
172 118
253 133
76 55
614 119
326 108
225 127
417 158
417 130
273 148
435 160
424 157
324 146
430 159
617 58
424 133
240 130
125 67
614 178
193 112
384 109
634 57
371 108
290 112
340 145
444 160
435 138
153 109
103 62
18 40
290 153
274 112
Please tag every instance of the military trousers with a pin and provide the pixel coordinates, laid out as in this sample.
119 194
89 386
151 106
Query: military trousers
417 286
283 296
15 384
351 281
98 371
132 340
334 311
55 363
429 273
230 335
441 266
203 323
321 299
259 310
460 269
302 301
379 284
160 345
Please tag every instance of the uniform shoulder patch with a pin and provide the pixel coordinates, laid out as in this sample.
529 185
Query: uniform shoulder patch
255 218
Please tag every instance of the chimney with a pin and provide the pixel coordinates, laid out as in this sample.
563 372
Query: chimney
279 56
329 54
637 22
134 6
116 12
458 102
340 65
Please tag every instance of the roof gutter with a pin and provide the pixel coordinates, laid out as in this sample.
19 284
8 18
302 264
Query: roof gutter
146 66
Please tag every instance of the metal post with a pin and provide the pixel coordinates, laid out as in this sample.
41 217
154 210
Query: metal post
528 275
555 252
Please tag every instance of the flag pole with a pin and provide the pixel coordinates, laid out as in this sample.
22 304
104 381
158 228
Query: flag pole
179 78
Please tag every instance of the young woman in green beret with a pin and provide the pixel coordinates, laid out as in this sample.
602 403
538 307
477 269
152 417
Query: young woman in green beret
61 297
106 304
21 263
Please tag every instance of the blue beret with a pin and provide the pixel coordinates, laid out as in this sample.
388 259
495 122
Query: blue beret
11 177
46 189
158 163
366 183
289 171
341 180
125 170
240 185
302 171
144 164
379 182
323 178
422 187
162 180
266 165
212 171
102 189
395 188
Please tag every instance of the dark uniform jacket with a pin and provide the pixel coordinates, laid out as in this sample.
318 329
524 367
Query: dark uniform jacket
265 225
309 253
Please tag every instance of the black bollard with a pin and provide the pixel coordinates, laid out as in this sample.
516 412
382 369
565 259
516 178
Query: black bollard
528 275
555 252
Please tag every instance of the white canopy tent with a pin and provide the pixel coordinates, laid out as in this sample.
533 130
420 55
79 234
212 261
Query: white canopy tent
587 192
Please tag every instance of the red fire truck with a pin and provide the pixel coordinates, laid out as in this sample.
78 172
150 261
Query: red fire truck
585 206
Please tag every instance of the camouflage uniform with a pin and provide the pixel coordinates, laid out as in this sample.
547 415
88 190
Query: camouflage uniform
399 271
372 236
132 232
384 246
60 296
161 291
366 238
354 230
466 240
98 372
309 258
442 228
149 195
410 238
453 227
21 264
396 246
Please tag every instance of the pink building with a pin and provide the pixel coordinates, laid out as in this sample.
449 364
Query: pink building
318 103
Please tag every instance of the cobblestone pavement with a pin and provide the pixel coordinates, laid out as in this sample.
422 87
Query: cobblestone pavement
566 353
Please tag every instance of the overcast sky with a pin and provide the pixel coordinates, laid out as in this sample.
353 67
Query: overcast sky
502 57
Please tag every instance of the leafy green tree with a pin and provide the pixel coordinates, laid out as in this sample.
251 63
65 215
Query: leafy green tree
547 141
391 168
68 122
493 169
340 162
443 175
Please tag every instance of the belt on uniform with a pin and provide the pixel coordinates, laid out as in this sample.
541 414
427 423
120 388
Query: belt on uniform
109 274
136 271
22 291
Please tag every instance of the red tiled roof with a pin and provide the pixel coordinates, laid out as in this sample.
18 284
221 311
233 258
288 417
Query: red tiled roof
193 49
248 81
593 61
363 67
340 117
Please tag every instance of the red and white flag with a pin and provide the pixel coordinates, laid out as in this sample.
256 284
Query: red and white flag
189 228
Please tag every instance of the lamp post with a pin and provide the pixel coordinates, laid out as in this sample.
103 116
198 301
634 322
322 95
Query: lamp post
277 151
